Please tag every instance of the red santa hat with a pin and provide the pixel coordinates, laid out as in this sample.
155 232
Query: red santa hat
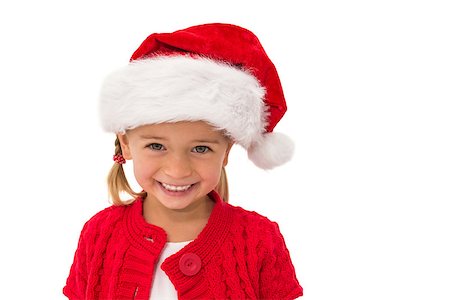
218 73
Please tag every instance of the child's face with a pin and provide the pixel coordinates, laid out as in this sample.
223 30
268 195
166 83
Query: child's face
176 163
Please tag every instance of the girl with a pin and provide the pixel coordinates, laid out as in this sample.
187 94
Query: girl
185 98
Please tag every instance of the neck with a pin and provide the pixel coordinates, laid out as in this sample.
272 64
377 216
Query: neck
180 225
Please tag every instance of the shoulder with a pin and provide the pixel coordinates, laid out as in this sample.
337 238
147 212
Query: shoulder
104 219
259 225
261 234
108 214
249 216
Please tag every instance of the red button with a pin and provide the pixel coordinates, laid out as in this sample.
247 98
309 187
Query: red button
190 264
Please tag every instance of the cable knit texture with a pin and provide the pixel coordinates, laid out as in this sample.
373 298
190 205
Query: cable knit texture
242 256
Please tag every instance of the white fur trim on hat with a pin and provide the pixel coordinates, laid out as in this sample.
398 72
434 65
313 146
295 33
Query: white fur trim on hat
185 88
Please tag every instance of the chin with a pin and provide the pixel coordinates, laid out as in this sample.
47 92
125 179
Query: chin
176 204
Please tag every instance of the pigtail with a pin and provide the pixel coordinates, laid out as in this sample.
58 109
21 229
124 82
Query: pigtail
222 186
118 183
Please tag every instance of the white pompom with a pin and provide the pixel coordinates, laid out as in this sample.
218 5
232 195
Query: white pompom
273 150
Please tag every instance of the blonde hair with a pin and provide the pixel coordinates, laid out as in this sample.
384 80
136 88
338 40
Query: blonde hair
118 183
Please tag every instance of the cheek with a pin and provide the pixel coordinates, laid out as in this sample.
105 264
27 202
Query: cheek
213 170
143 171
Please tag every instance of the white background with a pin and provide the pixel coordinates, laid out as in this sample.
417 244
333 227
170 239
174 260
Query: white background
363 205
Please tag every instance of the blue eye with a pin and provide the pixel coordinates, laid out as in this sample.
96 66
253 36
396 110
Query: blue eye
201 149
155 146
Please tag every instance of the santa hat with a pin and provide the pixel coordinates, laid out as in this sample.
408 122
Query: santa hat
218 73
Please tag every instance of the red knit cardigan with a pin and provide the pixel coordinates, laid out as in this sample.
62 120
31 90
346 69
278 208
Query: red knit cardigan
238 255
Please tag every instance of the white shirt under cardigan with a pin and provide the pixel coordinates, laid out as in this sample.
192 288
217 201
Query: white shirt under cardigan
162 287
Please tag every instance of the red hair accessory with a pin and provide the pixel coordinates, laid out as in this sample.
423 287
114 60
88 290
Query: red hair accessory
118 158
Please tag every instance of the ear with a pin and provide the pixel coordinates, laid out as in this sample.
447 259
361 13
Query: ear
125 145
227 152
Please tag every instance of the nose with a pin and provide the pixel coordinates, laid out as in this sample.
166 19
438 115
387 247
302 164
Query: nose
177 166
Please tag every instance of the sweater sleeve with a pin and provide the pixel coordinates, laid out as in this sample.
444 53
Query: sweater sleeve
75 288
277 276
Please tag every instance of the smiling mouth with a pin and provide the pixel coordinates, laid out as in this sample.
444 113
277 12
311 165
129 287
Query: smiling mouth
175 188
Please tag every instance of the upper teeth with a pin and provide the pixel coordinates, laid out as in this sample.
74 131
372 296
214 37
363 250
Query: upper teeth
175 188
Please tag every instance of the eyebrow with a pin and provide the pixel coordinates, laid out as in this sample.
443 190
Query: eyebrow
200 141
151 137
206 141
